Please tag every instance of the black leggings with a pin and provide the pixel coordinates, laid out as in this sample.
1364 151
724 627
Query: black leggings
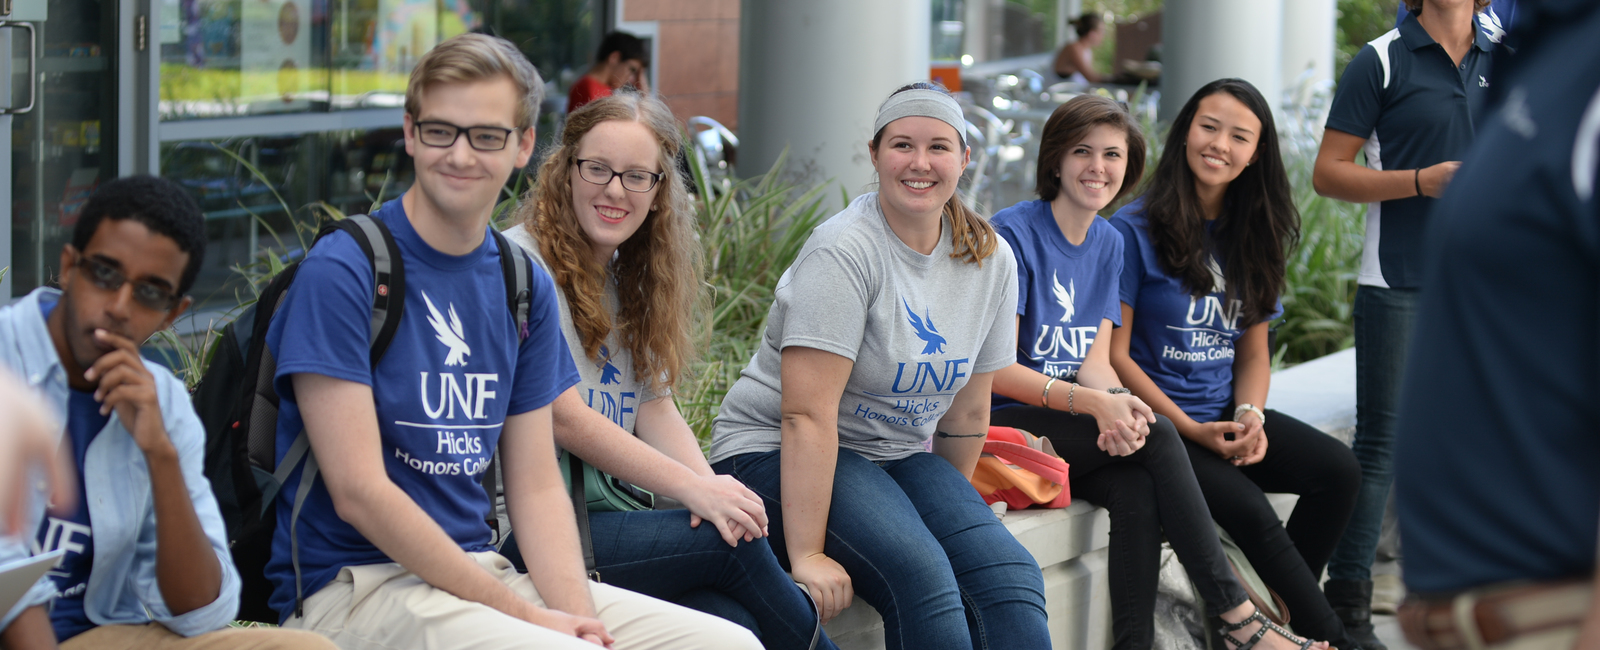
1151 490
1289 558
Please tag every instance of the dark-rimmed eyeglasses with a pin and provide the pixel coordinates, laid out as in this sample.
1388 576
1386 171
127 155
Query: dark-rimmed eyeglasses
444 134
109 278
633 180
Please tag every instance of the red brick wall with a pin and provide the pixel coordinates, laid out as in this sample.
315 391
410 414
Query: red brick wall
697 66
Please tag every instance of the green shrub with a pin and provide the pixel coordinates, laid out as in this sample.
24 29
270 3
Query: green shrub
751 232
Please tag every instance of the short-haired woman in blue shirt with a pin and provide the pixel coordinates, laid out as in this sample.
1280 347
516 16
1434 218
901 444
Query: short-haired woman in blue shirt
1204 254
1062 386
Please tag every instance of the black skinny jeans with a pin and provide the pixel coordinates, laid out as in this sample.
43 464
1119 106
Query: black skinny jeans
1289 558
1147 492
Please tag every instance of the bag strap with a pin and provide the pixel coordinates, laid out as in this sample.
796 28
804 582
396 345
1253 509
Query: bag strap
518 276
518 272
580 506
388 303
1050 468
388 276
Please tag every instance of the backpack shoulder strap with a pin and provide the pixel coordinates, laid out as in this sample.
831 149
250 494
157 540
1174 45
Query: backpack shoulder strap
388 303
518 273
388 276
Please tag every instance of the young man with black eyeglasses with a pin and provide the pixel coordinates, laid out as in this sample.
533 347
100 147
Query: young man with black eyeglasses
390 548
146 561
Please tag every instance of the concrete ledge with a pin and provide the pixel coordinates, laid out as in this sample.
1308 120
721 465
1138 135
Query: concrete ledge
1070 544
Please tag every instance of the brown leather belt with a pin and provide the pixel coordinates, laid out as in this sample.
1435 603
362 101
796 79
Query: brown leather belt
1484 617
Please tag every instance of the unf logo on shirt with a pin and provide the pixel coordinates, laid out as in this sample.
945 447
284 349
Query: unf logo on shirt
924 373
925 329
451 336
459 448
1055 341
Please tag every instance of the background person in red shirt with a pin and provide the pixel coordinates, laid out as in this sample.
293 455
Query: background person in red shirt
621 61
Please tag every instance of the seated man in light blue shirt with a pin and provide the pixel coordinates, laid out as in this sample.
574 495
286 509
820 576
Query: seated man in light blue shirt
146 561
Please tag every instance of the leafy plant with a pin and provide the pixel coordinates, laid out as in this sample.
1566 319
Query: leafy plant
750 232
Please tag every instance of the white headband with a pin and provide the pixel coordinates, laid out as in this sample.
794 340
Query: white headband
919 102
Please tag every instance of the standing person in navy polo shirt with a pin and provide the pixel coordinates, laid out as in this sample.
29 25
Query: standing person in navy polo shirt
1410 100
1496 487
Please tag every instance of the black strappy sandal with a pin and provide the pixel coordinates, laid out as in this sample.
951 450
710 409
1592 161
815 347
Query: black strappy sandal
1266 625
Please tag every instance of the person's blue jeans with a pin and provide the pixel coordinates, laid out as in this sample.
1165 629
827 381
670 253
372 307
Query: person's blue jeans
656 553
922 548
1383 319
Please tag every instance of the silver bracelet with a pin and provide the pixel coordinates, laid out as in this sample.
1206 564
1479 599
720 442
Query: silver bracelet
1070 393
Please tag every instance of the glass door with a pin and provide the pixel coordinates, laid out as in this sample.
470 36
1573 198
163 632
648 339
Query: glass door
66 145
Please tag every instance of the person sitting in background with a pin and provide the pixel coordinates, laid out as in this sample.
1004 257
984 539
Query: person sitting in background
1205 252
612 223
147 562
620 61
1075 61
1123 457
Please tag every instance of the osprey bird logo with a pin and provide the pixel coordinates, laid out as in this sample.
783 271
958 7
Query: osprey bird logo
1064 297
451 336
1218 282
925 330
608 373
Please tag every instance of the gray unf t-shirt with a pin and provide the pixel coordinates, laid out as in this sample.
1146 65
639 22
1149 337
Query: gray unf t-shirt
607 385
917 327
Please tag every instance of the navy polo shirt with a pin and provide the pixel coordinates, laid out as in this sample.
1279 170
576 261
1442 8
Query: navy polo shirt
1498 443
1415 108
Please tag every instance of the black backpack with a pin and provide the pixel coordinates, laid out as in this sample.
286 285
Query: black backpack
238 406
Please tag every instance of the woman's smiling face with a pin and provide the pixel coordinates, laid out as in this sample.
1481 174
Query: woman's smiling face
608 213
1222 140
919 160
1092 170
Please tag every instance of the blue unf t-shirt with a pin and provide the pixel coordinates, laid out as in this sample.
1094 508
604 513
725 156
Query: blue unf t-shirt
444 388
1063 290
1185 344
73 532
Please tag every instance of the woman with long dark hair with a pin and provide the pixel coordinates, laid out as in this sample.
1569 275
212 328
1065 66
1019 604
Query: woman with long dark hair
1062 386
885 333
1204 254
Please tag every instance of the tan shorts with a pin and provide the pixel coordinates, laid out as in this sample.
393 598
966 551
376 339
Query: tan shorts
155 637
385 607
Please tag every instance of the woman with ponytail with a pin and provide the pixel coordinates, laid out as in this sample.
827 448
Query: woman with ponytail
885 333
1204 254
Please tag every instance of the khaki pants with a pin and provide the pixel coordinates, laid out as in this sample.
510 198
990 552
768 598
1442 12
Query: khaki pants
155 637
385 607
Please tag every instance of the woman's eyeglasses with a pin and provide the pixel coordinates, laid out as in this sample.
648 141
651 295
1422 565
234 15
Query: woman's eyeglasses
633 180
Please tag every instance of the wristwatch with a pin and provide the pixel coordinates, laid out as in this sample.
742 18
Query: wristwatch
1118 390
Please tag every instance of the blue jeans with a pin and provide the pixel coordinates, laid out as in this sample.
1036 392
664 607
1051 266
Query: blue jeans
1383 334
921 548
656 553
